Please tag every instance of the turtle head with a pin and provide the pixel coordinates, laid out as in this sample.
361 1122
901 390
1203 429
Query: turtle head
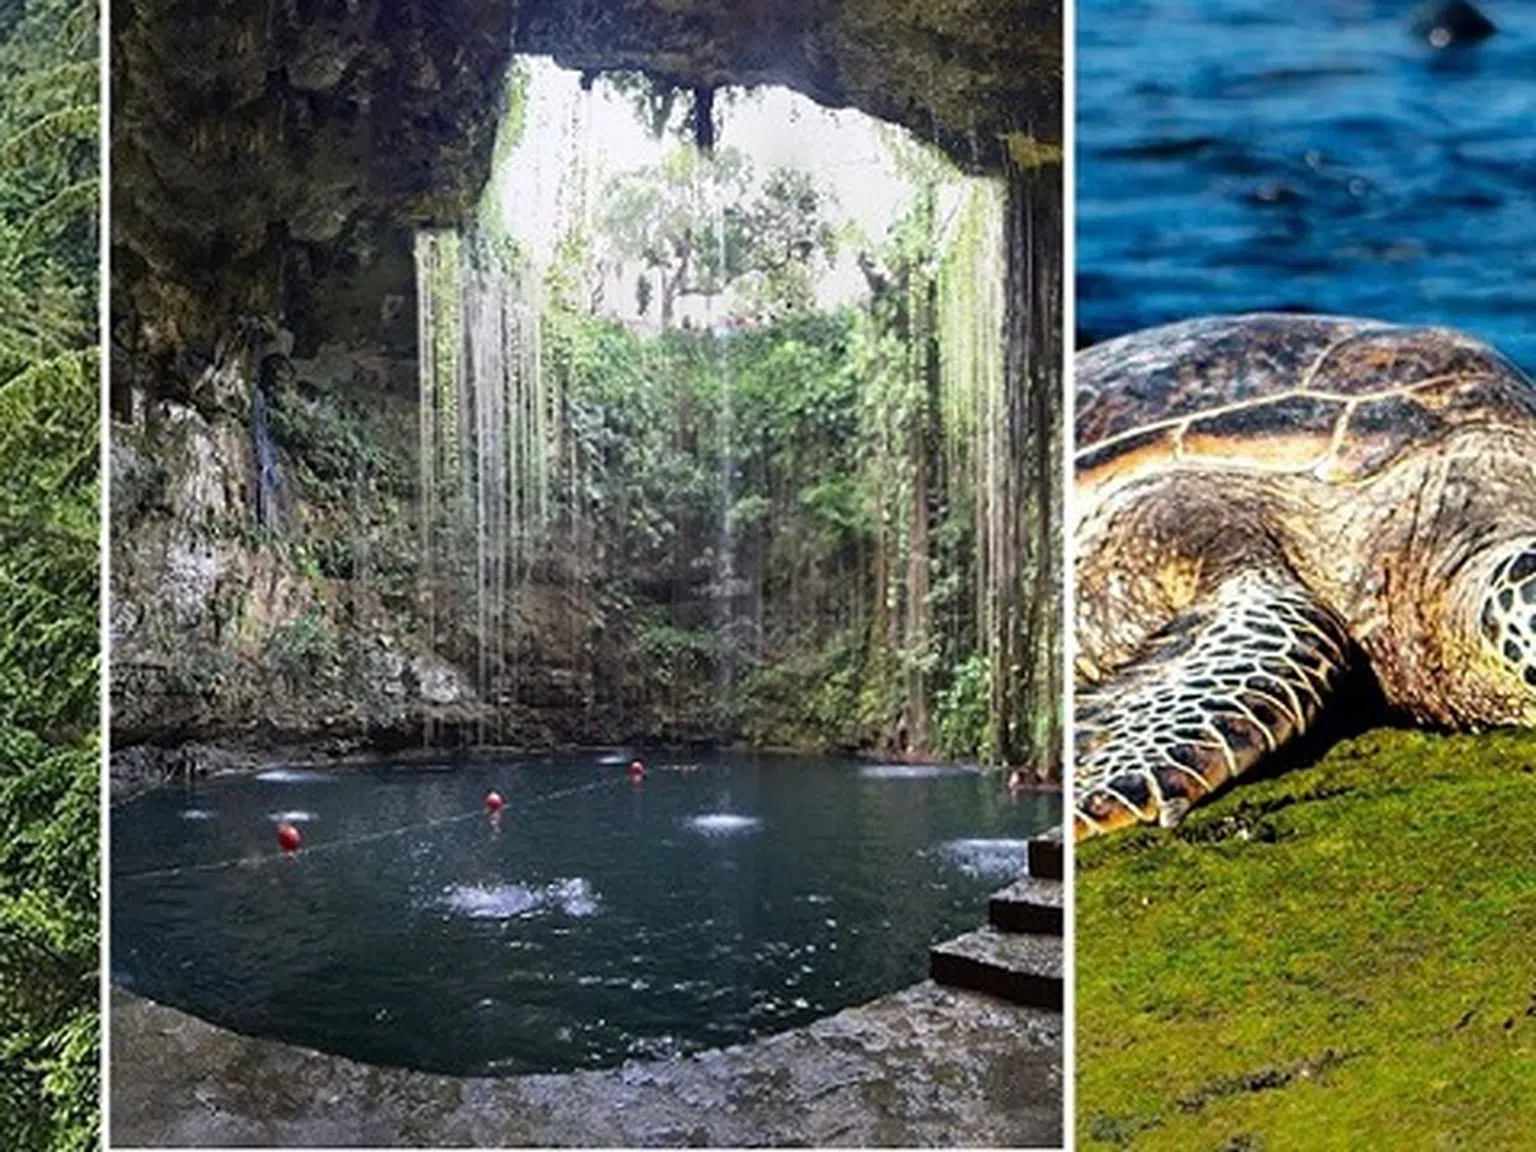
1506 622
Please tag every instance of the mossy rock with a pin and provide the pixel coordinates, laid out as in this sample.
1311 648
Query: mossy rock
1338 957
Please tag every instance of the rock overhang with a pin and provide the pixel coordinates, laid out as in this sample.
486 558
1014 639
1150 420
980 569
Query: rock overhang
277 158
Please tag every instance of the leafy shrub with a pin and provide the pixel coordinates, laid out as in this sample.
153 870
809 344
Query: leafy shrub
305 647
963 709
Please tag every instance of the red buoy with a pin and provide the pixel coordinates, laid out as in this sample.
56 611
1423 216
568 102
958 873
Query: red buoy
288 838
493 802
636 770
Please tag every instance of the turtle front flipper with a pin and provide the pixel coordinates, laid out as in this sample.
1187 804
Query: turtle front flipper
1245 669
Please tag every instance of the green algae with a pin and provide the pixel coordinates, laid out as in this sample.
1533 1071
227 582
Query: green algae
1337 957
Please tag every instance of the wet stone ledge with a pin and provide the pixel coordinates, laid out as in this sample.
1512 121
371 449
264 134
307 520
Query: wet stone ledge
927 1066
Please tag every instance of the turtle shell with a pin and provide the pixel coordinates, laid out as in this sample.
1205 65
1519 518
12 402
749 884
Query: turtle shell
1339 398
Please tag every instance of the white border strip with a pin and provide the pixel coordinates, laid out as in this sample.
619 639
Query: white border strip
103 489
1068 521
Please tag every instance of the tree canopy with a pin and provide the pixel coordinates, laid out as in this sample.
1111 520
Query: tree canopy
706 225
49 384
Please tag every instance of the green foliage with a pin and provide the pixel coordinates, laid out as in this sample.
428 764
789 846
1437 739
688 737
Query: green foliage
836 453
339 455
647 417
962 724
48 934
48 178
707 225
672 653
334 446
784 497
826 698
787 240
666 217
202 671
509 133
48 580
48 532
305 647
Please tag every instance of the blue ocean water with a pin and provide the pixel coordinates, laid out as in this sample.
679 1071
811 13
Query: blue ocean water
1238 154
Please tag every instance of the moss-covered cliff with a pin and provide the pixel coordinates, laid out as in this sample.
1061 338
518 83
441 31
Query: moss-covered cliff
294 620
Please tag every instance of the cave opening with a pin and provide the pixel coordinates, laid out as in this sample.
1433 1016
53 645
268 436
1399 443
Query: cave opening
701 427
698 446
295 219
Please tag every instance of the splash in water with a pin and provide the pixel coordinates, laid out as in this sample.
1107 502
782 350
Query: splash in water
724 824
289 776
298 816
988 858
573 896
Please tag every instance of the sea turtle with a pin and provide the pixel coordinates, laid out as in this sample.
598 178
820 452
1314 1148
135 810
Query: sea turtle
1268 503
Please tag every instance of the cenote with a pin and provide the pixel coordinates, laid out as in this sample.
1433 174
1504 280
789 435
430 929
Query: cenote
726 896
551 379
703 440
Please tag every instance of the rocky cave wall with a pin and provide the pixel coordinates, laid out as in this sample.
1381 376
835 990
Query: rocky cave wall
275 161
276 158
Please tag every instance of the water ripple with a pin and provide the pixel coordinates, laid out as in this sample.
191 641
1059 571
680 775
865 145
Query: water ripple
991 858
1234 157
910 771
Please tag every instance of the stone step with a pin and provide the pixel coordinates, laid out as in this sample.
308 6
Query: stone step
1045 855
1025 969
1031 905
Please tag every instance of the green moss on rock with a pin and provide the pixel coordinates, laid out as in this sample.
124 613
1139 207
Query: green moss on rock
1339 957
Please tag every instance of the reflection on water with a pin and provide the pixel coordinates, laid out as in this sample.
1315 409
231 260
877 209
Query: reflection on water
291 776
594 920
1237 155
909 771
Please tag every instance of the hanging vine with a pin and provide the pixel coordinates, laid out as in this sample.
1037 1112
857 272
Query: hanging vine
803 527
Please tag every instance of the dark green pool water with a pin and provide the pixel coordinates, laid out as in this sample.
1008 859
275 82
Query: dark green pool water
725 897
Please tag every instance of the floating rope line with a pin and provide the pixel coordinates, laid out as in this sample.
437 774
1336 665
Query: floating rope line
364 838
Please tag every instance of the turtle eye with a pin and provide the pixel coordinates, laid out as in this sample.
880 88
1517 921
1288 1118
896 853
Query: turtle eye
1508 617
